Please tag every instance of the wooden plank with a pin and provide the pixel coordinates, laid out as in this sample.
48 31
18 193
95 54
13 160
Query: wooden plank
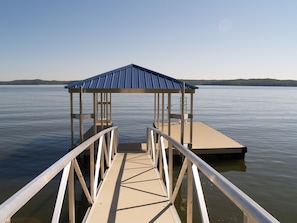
132 192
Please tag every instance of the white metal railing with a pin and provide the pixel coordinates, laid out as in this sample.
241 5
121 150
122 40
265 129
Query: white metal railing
103 145
252 212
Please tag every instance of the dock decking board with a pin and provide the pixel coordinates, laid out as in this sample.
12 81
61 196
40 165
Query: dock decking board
206 140
132 192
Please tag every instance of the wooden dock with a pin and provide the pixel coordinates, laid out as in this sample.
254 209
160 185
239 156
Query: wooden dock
132 191
206 140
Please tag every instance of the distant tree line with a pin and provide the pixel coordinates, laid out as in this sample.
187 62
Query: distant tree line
237 82
246 82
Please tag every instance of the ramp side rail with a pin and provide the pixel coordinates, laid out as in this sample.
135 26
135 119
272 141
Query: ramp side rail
103 145
194 166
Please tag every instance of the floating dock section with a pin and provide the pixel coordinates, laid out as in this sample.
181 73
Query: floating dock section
205 140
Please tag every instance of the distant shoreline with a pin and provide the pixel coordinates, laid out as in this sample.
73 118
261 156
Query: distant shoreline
235 82
246 82
34 82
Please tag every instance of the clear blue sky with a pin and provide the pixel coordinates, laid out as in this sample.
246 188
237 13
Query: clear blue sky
201 39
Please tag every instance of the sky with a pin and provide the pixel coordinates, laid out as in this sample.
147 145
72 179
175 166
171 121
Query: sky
192 39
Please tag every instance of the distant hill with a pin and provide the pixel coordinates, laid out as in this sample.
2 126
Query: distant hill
33 82
246 82
237 82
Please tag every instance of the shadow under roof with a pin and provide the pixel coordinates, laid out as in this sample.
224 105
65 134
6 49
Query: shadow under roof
131 79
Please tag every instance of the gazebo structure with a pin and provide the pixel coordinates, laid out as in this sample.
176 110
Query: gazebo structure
129 79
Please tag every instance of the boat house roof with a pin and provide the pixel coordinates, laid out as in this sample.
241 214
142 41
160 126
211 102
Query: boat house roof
131 79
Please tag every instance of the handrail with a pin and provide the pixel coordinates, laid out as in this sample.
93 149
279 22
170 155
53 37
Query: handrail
106 143
20 198
252 211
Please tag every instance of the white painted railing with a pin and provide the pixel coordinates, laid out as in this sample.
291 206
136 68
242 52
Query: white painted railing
103 145
252 212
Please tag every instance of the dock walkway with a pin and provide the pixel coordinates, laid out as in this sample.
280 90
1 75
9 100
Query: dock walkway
132 191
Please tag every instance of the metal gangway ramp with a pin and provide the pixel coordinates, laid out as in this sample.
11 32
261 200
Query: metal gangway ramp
132 191
126 185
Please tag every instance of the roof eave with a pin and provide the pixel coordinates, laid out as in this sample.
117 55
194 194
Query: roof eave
127 90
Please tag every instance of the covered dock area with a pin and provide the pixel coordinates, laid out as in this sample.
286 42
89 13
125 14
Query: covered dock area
179 123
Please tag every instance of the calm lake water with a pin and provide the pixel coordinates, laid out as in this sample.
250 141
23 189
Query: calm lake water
35 132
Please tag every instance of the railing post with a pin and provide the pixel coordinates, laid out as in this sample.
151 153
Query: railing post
159 157
101 161
170 167
148 140
71 195
157 149
190 194
110 147
92 169
153 147
200 196
116 141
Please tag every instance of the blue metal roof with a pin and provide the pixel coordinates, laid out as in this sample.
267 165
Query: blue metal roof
130 77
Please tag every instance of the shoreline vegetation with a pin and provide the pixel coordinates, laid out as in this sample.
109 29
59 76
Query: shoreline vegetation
235 82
